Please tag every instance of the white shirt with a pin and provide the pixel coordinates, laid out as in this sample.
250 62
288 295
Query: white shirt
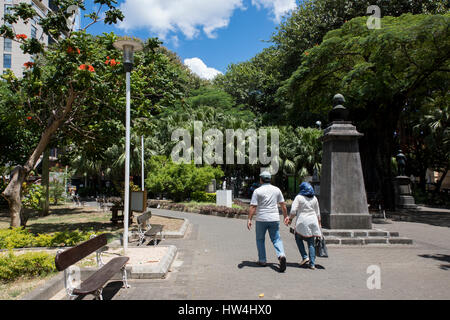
266 198
308 214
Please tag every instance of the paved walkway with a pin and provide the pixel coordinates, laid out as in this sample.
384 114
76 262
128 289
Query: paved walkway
216 261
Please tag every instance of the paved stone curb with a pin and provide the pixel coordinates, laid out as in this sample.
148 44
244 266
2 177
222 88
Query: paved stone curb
133 236
155 272
176 234
47 290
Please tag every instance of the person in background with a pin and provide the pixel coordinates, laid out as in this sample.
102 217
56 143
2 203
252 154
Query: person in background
264 203
306 208
253 187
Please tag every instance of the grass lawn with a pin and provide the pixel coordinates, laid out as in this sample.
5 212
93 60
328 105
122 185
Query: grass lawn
17 289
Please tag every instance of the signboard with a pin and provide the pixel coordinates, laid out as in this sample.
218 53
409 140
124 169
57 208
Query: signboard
138 201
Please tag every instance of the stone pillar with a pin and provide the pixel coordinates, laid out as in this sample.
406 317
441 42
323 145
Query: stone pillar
343 201
315 183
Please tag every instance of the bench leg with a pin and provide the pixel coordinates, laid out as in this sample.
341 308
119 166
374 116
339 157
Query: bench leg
141 239
124 278
98 294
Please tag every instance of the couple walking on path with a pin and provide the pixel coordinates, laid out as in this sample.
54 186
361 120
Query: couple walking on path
264 204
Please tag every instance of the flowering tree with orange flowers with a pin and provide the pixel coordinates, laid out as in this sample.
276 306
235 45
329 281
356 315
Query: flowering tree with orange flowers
68 87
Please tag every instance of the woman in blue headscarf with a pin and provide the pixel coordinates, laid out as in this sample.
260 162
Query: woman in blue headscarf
306 208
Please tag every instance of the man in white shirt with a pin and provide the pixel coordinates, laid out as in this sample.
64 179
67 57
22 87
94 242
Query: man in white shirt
264 203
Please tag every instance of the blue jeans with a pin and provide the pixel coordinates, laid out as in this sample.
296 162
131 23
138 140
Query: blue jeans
311 249
274 233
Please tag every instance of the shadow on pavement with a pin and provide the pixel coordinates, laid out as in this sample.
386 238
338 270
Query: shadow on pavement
275 266
252 264
55 227
441 219
439 257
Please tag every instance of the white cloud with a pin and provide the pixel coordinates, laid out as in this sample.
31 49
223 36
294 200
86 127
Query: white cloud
187 16
198 67
278 7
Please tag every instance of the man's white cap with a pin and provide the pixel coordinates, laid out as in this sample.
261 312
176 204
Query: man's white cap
265 175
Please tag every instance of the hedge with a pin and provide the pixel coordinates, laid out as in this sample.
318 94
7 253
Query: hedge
22 238
26 265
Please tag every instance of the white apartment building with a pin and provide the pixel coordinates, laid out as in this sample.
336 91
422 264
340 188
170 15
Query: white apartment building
11 56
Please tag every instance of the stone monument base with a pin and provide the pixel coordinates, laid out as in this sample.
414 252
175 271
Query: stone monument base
347 221
403 198
364 237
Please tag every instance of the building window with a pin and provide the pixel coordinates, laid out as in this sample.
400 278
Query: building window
38 15
7 45
7 11
7 61
33 32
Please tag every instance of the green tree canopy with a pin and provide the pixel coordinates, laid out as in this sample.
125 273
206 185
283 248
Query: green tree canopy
382 73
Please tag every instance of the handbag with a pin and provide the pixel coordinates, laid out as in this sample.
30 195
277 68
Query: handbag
321 248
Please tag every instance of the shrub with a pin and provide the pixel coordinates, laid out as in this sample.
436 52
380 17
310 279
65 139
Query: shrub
62 239
202 196
178 181
30 264
22 238
33 196
15 238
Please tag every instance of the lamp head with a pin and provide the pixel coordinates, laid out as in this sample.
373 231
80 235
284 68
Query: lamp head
128 46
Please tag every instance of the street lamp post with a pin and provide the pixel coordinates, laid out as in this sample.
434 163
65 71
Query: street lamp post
142 162
128 47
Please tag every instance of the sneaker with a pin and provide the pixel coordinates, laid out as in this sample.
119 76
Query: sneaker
261 263
306 260
282 260
312 267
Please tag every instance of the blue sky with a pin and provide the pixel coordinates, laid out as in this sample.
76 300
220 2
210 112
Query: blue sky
208 35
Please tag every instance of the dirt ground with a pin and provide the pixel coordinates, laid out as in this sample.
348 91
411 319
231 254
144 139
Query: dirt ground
69 217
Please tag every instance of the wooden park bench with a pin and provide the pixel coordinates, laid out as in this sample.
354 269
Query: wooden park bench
95 283
147 230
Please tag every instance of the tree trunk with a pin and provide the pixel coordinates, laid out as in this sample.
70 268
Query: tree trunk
46 182
13 192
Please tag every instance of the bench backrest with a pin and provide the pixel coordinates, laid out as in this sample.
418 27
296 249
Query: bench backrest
144 217
71 256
